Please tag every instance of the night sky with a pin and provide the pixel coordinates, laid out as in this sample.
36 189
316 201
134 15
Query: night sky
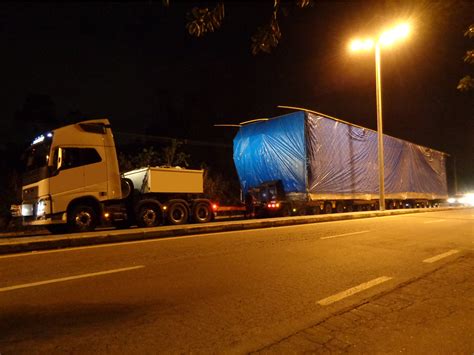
135 64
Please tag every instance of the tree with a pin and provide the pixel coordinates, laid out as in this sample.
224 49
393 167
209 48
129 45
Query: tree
467 82
168 156
202 20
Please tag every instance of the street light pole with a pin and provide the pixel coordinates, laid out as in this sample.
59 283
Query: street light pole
378 94
385 39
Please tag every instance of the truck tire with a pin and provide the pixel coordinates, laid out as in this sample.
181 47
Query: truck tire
202 212
149 215
83 218
177 213
328 208
339 207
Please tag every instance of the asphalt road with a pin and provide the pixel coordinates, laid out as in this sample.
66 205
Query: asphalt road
225 292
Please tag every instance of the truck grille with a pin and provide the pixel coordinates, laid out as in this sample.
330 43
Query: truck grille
30 194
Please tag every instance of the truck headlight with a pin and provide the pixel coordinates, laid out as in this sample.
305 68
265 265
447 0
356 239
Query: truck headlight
43 207
40 208
26 210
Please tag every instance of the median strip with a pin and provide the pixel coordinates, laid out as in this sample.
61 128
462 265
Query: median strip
441 256
364 286
69 278
344 235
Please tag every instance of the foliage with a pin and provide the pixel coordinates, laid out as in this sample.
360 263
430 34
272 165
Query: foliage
267 37
172 156
149 156
203 20
218 188
467 82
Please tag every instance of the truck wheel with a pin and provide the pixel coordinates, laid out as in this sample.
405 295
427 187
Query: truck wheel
149 215
316 210
177 213
350 208
327 208
202 212
339 207
82 218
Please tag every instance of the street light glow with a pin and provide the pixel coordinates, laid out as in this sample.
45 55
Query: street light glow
398 32
387 38
357 44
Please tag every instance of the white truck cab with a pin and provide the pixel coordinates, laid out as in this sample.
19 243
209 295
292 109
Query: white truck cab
72 183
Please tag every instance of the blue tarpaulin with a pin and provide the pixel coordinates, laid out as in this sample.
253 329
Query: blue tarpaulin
325 158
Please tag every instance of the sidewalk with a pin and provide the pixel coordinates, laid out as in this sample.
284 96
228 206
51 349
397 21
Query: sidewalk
431 315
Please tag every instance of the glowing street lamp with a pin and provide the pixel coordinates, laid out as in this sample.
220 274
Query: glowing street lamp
385 39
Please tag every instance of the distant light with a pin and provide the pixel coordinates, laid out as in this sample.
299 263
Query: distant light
49 135
38 139
106 215
451 200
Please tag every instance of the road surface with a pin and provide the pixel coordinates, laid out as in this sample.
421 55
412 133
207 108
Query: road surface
242 291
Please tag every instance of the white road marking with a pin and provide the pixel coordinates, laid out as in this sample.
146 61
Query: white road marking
344 235
441 256
364 286
68 278
436 221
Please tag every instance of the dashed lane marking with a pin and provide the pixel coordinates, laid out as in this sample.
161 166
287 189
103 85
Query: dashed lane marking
441 256
344 235
364 286
69 278
436 221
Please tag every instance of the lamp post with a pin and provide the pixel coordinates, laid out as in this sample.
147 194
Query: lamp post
386 39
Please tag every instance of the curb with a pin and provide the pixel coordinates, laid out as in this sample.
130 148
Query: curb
48 242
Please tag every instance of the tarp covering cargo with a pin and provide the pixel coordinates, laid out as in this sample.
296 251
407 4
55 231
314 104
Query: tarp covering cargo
317 157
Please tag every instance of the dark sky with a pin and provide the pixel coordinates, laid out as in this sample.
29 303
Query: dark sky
135 64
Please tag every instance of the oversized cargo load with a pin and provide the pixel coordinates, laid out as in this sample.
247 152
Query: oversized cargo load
319 158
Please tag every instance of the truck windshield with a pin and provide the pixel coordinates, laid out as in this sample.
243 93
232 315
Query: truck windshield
35 161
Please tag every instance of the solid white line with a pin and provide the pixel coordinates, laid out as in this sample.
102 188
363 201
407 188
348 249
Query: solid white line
441 256
343 235
364 286
45 282
436 221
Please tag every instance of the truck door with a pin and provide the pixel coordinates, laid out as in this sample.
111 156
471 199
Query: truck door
67 180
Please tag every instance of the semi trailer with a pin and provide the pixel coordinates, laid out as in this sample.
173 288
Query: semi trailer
308 163
72 183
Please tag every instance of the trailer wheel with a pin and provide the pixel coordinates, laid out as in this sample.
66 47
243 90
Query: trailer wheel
350 208
177 213
149 215
202 212
82 218
316 210
339 207
327 208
